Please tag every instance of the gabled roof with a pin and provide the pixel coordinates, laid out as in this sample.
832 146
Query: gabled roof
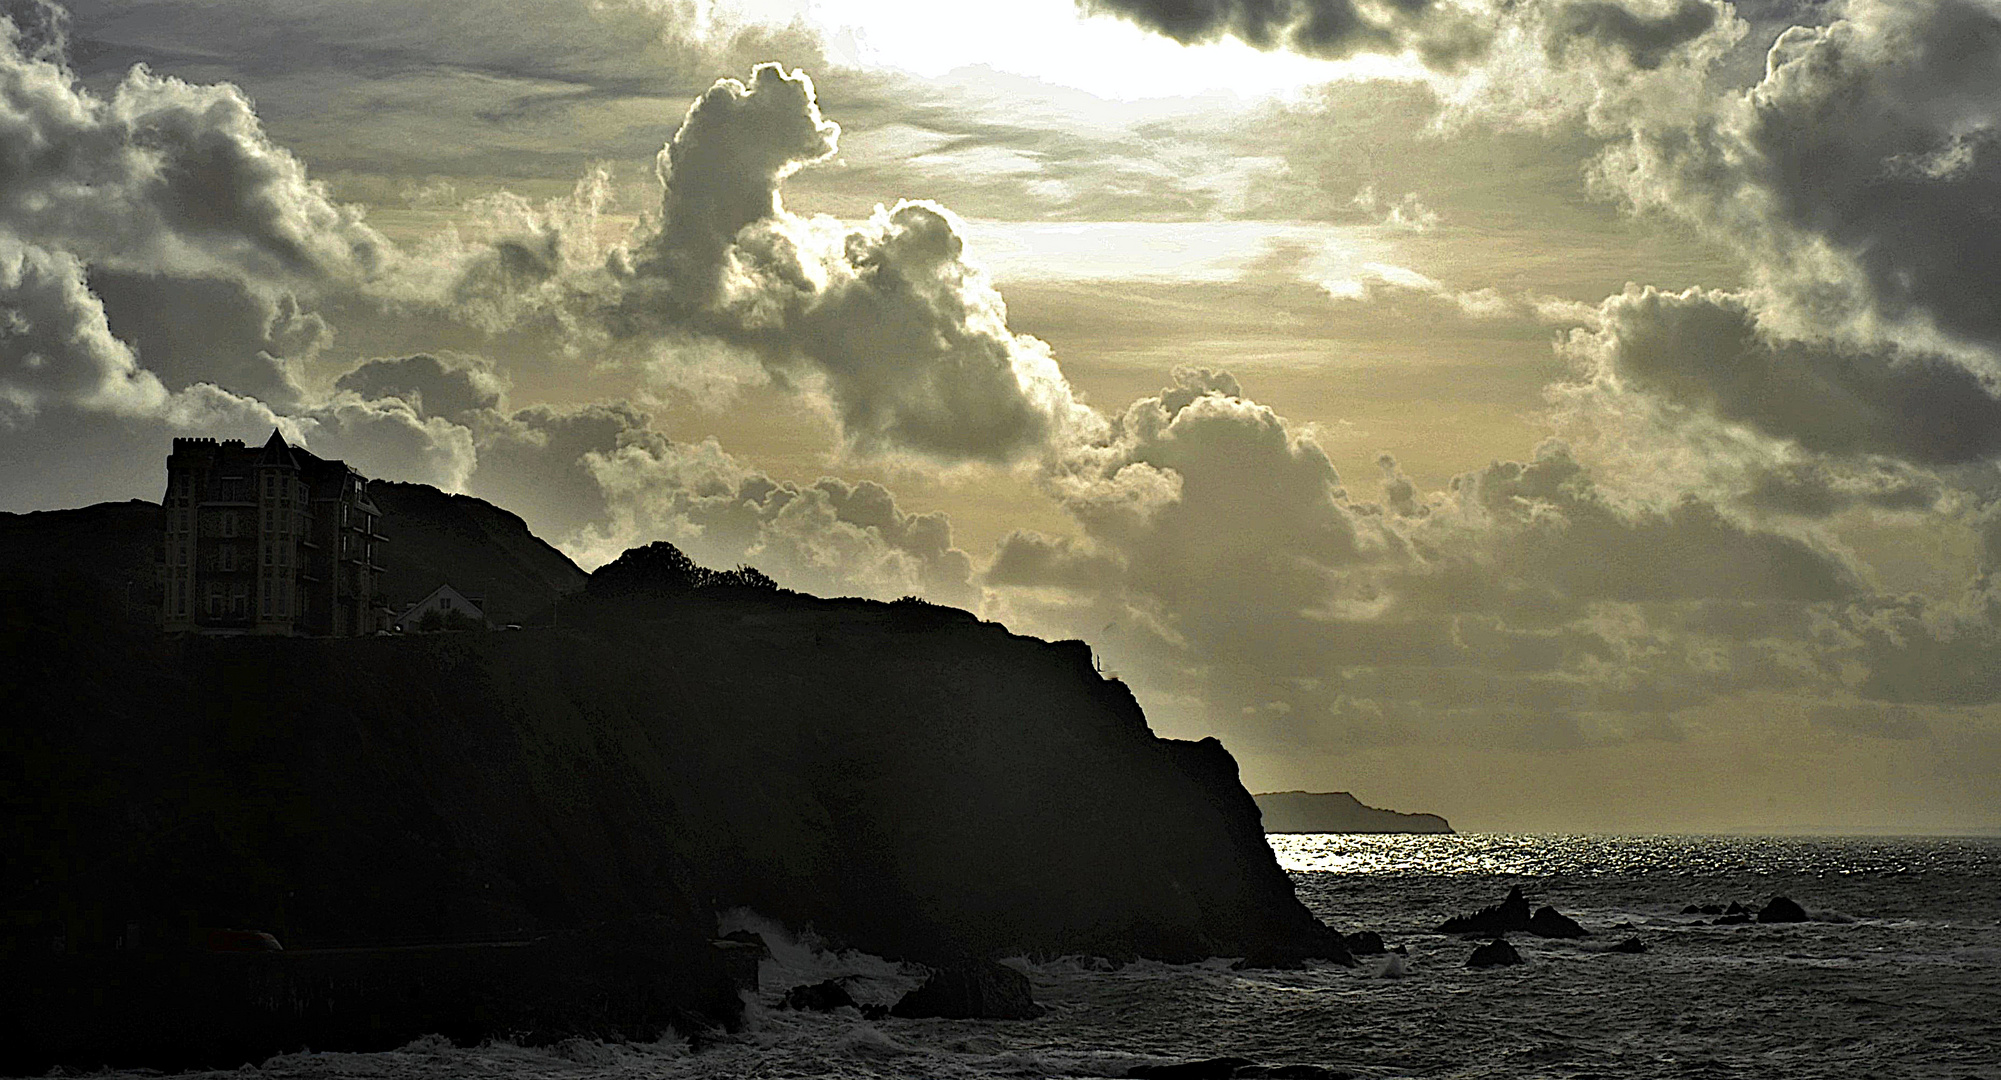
277 452
441 591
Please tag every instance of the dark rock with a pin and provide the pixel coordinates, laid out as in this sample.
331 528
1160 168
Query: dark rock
819 997
741 959
1630 945
1222 1068
1736 908
1738 919
1510 914
1781 910
1692 909
979 990
1712 909
1364 943
1550 923
874 1012
1496 953
748 937
1288 1072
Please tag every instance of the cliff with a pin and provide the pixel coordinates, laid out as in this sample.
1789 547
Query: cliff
1338 812
902 777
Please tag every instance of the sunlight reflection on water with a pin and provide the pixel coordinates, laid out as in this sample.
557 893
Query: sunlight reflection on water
1536 855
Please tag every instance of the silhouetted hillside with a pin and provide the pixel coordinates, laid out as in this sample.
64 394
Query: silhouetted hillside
903 777
473 545
434 539
1338 812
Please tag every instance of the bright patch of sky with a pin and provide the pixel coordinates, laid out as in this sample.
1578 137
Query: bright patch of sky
1048 40
1185 251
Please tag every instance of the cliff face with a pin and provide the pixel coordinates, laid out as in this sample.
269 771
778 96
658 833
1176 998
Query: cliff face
1338 812
903 777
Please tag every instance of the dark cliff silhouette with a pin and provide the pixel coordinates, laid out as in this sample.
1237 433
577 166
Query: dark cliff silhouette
1338 812
902 777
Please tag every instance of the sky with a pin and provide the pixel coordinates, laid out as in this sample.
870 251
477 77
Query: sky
1559 415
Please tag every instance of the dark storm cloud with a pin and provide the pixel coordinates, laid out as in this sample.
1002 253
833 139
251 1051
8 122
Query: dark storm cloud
1325 28
1858 180
1646 41
1707 351
453 390
1444 35
189 330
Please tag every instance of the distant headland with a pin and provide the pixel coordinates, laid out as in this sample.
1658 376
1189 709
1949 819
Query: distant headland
1338 812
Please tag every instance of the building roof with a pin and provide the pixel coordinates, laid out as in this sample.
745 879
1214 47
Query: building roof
277 452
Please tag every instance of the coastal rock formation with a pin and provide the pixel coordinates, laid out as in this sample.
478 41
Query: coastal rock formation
905 778
819 997
978 990
1364 943
1338 812
1630 945
1549 923
1511 914
1496 953
1781 909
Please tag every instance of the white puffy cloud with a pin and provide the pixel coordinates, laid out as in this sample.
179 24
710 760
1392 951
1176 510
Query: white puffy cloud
831 537
907 344
162 176
55 343
1223 560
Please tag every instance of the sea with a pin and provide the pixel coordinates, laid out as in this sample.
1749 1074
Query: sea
1898 974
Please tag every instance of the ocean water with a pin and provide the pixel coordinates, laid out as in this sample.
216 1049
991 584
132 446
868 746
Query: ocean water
1898 976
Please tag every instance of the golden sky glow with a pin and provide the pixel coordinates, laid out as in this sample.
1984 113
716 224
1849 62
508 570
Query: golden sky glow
1551 415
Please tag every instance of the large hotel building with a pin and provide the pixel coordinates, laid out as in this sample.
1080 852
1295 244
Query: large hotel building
272 540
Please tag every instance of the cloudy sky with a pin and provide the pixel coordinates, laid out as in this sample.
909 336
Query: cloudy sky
1554 414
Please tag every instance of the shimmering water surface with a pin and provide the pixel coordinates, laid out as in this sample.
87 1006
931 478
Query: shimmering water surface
1898 976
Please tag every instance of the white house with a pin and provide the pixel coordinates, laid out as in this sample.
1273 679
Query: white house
444 600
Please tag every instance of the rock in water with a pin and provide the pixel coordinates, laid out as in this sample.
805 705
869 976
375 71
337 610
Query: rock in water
1781 909
1548 922
751 938
1288 1072
1364 943
1630 945
1496 953
980 990
1222 1068
819 997
1509 914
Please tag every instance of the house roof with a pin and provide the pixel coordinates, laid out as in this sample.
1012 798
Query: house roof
441 591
